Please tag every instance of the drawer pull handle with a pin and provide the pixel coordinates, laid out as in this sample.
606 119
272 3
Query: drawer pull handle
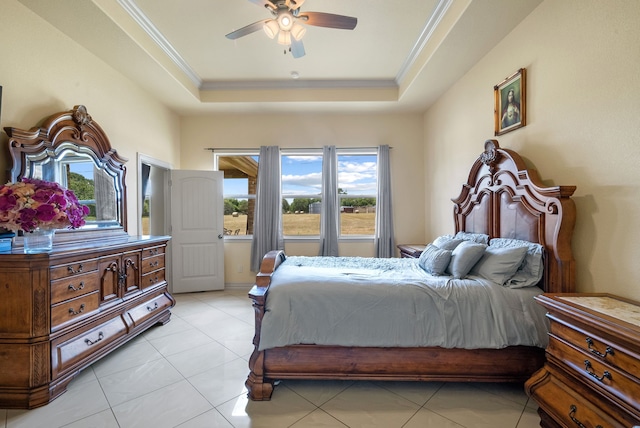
572 411
80 287
587 367
153 280
90 342
71 270
153 264
152 308
79 311
609 349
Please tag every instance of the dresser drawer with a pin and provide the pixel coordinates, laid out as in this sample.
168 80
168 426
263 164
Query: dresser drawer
67 270
152 263
598 348
148 309
152 278
153 251
69 350
74 286
74 310
616 382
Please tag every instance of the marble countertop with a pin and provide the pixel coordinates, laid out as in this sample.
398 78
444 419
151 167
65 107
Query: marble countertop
610 306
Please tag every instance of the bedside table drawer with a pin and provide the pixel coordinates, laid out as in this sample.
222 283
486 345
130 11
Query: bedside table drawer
604 375
410 251
570 408
597 348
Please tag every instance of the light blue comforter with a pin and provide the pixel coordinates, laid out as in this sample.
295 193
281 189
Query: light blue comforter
355 301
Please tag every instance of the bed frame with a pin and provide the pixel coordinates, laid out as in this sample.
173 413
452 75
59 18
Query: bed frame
501 198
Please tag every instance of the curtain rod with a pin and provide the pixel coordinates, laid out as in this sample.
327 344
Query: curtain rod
213 149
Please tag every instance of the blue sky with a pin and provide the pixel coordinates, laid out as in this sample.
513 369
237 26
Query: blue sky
302 175
83 168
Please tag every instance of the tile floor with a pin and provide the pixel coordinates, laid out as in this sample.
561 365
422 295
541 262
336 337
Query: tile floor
191 372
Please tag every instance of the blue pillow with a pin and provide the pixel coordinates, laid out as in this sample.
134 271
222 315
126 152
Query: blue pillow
464 257
499 264
434 260
447 242
530 271
480 238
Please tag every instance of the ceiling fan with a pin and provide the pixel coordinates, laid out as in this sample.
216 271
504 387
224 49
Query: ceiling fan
287 23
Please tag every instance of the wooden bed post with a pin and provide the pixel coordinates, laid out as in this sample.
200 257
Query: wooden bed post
259 388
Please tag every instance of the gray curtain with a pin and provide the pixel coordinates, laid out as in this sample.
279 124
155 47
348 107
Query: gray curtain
267 223
384 240
330 210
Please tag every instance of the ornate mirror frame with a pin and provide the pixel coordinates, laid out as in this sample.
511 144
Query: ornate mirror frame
73 133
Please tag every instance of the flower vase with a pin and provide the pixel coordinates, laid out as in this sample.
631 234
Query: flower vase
38 241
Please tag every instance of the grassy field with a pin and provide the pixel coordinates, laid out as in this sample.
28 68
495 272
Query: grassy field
309 224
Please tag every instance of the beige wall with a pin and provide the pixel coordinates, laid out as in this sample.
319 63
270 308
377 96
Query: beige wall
583 115
402 132
42 72
582 111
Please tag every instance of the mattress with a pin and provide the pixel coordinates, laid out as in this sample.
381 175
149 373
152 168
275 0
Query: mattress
375 302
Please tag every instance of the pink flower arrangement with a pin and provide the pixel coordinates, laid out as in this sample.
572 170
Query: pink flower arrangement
31 204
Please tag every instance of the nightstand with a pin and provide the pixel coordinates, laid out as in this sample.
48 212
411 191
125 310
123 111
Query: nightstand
592 374
411 251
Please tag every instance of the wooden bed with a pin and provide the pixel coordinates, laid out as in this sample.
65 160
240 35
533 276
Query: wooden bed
501 198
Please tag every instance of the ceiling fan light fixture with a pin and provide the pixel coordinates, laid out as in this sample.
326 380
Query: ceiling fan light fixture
285 21
284 38
271 28
298 31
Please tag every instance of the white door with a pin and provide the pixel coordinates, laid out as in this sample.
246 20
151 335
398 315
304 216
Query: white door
197 234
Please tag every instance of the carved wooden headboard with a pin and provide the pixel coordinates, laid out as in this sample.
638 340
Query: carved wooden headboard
503 198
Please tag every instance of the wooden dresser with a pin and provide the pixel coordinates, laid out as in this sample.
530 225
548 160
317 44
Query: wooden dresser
62 311
592 374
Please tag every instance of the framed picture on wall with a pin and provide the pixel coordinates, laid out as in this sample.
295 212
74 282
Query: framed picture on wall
510 103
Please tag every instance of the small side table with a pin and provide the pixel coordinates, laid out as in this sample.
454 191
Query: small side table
411 251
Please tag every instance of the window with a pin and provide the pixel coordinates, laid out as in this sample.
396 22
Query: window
357 190
302 191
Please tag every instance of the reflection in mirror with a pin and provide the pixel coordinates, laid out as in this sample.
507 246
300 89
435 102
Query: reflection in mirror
77 169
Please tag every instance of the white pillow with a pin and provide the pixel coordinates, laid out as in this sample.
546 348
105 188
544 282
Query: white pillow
464 257
499 264
434 260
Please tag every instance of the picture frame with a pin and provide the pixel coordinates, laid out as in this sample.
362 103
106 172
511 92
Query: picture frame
510 103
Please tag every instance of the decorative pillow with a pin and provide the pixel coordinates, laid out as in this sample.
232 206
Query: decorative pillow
499 264
464 257
434 260
480 238
447 242
531 269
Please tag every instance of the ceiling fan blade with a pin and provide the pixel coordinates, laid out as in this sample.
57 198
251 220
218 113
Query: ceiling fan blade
329 20
264 3
251 28
297 48
294 4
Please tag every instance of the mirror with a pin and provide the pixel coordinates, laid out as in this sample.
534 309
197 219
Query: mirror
72 150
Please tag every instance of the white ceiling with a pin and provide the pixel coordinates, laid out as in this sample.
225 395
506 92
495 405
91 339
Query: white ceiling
402 55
